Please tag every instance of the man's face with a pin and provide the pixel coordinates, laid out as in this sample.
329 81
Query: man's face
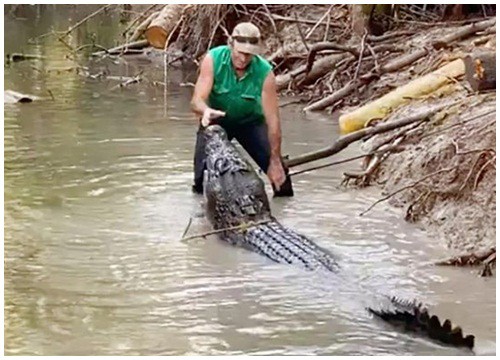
240 59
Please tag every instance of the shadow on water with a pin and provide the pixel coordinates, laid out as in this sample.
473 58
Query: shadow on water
97 195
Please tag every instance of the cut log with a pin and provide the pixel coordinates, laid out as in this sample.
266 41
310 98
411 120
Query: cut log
383 106
480 70
139 30
160 28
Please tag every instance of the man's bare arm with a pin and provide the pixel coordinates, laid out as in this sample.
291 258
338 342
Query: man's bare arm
203 86
271 113
202 91
270 108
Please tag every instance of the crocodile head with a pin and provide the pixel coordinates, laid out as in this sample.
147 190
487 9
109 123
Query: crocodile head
234 192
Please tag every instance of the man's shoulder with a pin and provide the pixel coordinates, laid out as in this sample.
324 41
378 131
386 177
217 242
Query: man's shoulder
219 50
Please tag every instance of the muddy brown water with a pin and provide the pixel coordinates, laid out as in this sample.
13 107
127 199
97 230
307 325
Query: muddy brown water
97 197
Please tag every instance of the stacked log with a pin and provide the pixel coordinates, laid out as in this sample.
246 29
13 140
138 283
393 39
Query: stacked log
480 70
161 26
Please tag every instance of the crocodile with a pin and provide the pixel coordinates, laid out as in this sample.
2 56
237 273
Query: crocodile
237 205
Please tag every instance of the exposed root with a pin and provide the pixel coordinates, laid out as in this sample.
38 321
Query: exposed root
471 259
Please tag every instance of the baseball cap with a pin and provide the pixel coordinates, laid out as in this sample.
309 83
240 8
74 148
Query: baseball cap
246 38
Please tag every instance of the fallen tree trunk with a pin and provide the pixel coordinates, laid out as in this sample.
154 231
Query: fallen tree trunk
383 106
344 141
160 28
480 70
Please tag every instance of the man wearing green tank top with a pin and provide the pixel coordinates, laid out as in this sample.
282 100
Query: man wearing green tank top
236 88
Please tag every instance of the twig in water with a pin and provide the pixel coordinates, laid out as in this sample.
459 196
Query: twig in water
71 48
97 46
187 228
241 227
67 32
51 95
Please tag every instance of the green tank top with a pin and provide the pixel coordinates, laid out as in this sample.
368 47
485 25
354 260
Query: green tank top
241 99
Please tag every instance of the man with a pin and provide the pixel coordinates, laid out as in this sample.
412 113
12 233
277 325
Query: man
236 89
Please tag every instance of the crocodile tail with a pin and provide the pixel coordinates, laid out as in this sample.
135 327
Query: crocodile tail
413 316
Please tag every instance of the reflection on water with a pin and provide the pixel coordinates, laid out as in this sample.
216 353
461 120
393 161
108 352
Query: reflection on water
97 195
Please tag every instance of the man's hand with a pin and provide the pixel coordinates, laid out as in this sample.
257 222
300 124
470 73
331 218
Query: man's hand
209 115
276 173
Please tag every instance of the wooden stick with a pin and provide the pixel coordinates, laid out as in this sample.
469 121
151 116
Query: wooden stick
360 59
187 228
489 162
304 21
319 21
389 148
327 27
345 140
241 227
139 44
67 32
302 37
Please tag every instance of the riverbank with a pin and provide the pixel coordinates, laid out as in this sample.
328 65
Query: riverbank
324 62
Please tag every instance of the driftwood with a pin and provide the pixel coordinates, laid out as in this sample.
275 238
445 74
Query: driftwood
480 70
344 141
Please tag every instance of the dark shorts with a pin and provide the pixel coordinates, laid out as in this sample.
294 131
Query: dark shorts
254 139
